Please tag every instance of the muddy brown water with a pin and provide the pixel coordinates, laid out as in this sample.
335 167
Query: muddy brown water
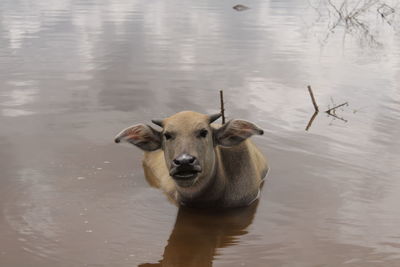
74 73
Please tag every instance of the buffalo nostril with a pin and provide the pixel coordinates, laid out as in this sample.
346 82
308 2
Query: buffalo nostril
184 159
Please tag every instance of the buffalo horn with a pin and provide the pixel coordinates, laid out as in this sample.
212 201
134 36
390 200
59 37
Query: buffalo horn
214 117
158 122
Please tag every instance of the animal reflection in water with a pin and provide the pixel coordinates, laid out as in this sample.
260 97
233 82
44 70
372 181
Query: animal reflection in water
198 234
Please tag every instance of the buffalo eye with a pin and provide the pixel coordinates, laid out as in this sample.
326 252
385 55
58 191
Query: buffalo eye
167 136
203 133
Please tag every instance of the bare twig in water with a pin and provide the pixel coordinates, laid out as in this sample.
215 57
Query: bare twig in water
221 96
315 107
351 17
312 98
332 111
386 13
311 120
329 111
336 117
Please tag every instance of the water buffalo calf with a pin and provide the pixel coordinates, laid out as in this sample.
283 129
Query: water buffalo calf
200 164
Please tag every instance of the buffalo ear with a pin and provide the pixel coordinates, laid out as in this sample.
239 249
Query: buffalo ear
142 136
234 132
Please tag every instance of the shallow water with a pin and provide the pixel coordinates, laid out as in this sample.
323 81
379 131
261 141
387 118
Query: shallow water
74 73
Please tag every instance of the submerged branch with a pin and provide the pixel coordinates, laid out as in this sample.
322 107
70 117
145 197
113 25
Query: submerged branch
311 120
330 111
338 106
337 117
352 18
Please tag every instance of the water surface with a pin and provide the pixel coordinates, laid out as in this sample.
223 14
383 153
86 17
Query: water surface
74 73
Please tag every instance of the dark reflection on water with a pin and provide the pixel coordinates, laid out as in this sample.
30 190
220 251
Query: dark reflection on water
73 73
198 234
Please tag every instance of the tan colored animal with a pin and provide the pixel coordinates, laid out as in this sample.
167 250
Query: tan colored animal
199 164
